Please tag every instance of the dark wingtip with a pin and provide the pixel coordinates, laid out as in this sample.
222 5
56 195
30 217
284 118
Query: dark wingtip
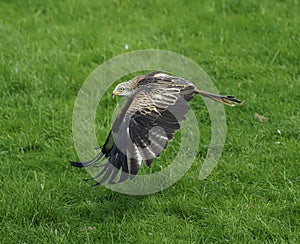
77 164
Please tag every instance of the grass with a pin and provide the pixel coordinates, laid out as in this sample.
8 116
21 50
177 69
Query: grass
249 48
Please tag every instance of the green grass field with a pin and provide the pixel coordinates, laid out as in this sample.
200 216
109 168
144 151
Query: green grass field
250 49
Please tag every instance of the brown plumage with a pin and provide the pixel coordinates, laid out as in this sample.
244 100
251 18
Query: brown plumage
156 104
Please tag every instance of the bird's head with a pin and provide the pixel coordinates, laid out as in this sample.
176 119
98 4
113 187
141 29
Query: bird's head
123 89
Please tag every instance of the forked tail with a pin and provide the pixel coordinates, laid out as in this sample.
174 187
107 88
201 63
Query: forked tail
228 100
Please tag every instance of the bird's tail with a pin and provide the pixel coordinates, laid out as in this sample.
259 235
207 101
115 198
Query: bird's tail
228 100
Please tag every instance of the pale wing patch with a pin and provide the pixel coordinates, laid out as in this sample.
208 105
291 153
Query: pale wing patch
160 75
164 100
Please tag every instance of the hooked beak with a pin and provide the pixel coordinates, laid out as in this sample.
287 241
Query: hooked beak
115 93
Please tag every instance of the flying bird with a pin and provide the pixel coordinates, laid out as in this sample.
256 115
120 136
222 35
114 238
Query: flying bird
156 104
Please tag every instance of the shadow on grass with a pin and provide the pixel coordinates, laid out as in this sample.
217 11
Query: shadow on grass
102 205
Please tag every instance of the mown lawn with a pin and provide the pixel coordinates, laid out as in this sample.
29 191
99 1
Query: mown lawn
250 49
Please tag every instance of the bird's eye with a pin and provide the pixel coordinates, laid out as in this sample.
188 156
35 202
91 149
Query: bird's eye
121 88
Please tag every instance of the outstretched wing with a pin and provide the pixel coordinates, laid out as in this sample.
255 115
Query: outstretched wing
143 128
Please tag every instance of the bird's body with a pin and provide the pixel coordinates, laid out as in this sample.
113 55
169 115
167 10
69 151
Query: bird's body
156 104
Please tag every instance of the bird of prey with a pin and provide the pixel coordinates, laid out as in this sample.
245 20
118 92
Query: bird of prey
156 104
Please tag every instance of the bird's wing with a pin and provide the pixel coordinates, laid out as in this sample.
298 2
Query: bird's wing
154 117
142 130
